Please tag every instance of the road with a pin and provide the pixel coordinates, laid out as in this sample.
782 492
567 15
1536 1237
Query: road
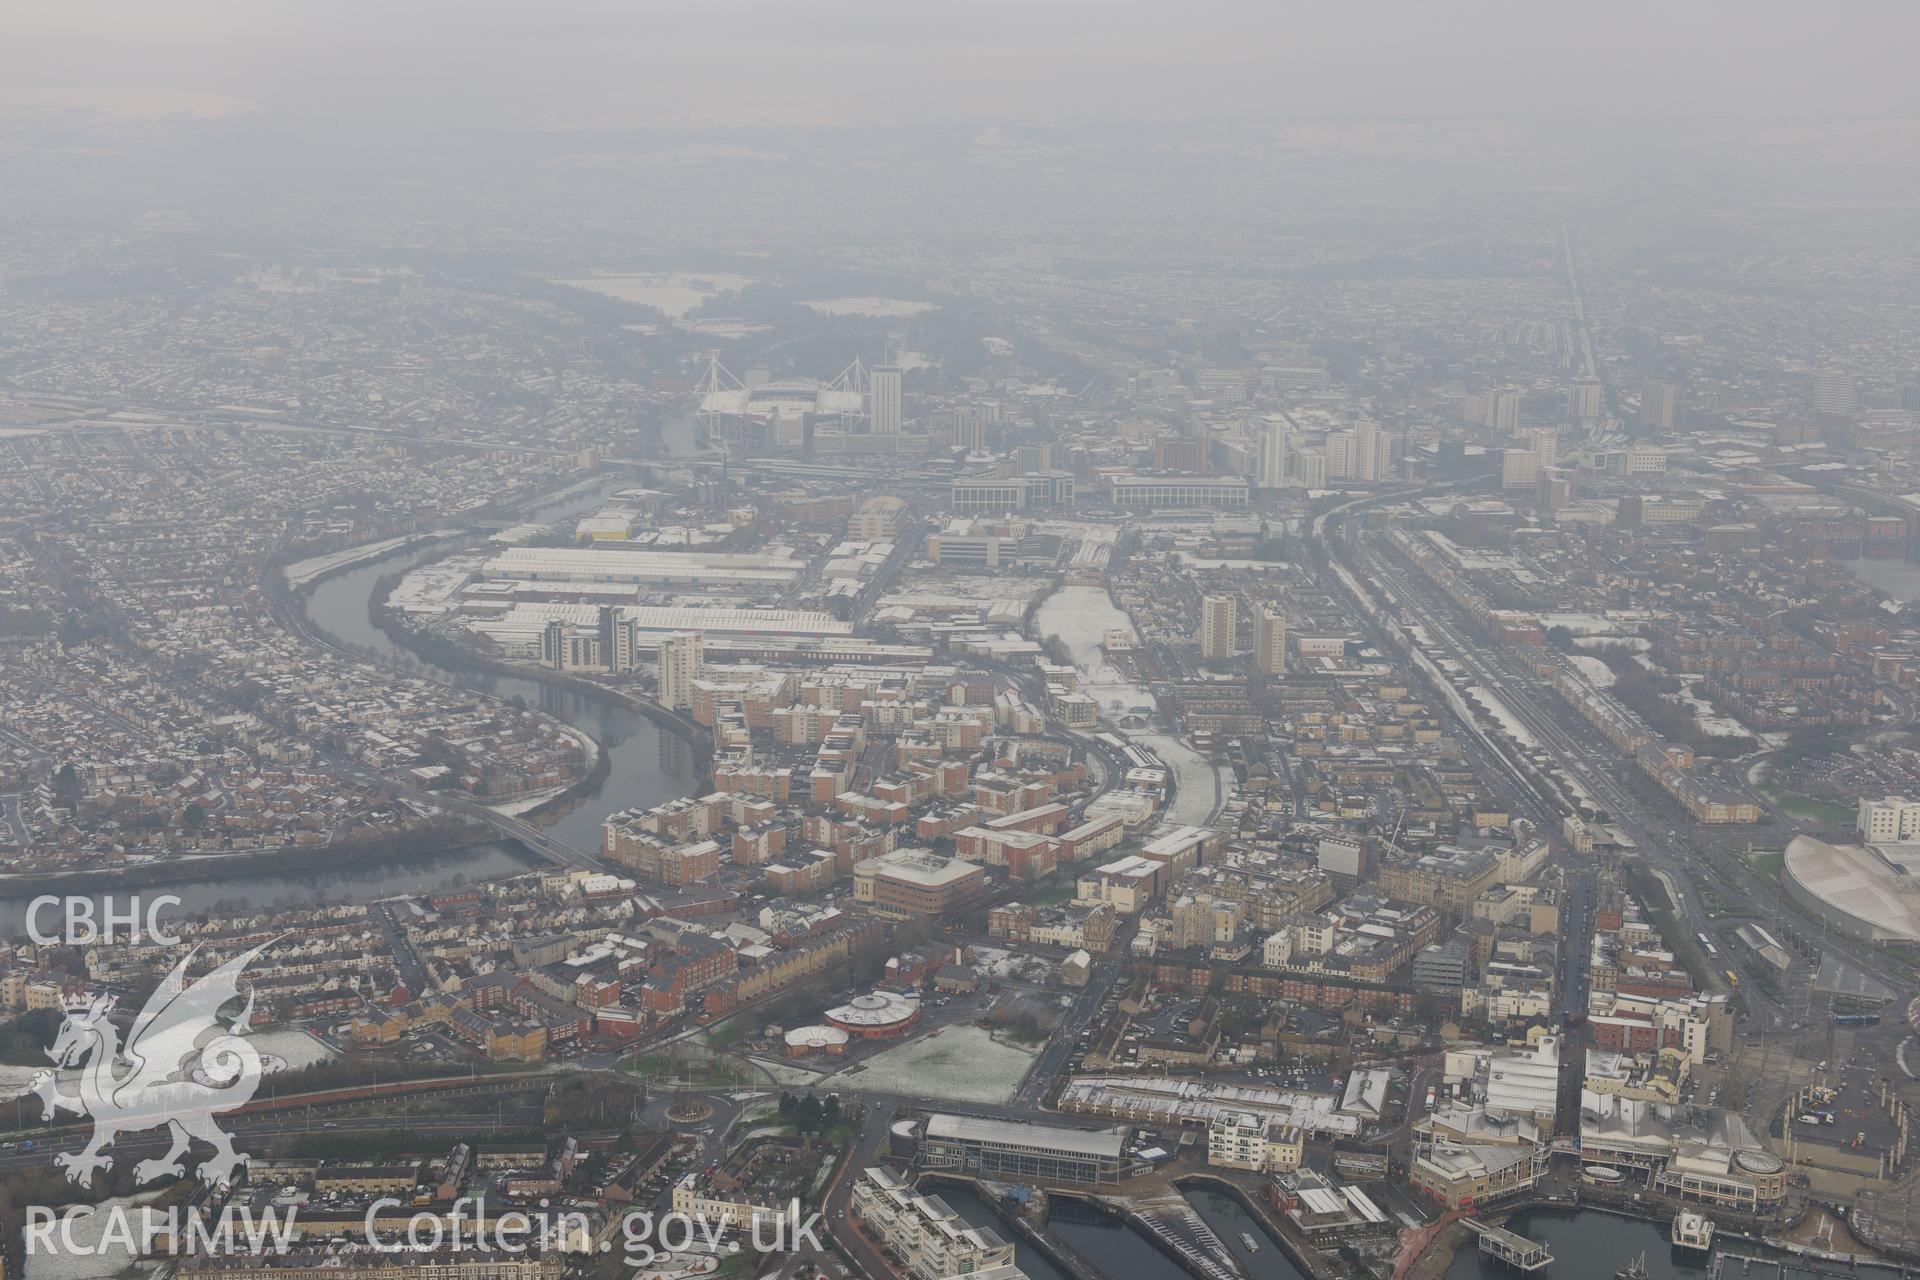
866 1256
413 974
1079 1015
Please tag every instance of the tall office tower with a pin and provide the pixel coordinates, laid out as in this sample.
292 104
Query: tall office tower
1366 451
1393 455
617 638
1340 451
1519 469
1544 441
1273 453
1312 468
1270 646
1832 392
1503 410
1219 616
1584 400
969 432
682 659
1554 491
1659 404
883 396
1031 459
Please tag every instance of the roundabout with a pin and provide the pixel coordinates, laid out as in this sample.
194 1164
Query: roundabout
690 1110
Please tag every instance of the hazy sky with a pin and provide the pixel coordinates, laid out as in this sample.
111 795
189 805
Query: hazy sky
546 63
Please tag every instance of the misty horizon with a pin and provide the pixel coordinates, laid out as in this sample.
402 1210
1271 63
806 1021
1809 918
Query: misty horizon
581 65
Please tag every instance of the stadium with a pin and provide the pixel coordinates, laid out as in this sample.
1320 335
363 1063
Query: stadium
777 414
1865 892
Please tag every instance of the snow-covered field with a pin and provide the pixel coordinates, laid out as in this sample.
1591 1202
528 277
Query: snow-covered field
674 293
1709 720
280 1050
1081 616
98 1257
14 1080
290 1049
1598 673
958 1064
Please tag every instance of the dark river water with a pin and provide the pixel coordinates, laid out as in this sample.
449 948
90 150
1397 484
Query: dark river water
1585 1246
1592 1246
1898 578
1118 1250
373 880
646 764
976 1212
1230 1222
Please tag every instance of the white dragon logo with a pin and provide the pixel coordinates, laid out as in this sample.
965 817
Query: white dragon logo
163 1077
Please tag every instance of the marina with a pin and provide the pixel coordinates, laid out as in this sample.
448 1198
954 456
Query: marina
1586 1245
1248 1241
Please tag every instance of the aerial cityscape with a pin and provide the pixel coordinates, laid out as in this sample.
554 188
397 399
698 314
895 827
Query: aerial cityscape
1015 645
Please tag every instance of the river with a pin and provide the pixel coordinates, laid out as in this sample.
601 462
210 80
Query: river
359 882
646 764
1898 578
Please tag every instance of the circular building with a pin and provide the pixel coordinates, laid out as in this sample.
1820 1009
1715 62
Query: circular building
809 1042
903 1138
876 1015
1767 1171
1869 893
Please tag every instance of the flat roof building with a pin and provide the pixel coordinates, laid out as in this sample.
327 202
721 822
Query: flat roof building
1138 493
1027 1152
560 564
916 882
930 1239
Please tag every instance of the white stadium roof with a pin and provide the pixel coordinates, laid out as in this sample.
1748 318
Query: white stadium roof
1874 886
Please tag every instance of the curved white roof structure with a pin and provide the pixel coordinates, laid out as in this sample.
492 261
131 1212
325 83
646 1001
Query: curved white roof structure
815 1038
874 1010
1868 892
790 398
